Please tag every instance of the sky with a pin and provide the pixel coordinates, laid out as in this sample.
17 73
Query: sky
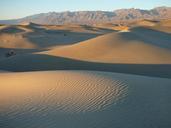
12 9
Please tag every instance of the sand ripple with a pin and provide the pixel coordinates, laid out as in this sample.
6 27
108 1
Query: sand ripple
65 91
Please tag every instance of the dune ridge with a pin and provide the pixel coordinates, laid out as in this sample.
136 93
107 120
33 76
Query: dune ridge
115 48
80 76
43 36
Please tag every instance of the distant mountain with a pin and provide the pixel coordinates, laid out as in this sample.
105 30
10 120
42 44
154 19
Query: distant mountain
92 17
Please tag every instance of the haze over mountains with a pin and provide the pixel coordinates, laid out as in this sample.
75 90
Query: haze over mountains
93 17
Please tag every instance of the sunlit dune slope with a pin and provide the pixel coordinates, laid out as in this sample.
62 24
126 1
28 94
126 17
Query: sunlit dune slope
70 99
67 90
12 36
15 41
144 22
138 46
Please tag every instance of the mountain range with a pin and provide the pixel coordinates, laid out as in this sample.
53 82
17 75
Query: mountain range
94 17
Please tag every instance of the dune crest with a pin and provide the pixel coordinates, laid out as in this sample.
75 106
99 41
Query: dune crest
116 48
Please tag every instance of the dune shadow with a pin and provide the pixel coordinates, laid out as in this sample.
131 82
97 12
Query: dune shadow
149 36
96 29
18 51
11 30
39 62
48 38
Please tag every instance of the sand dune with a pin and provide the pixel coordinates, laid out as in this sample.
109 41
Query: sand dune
11 29
163 25
144 22
18 51
80 28
12 36
83 99
15 41
141 51
166 23
31 24
38 36
136 46
115 27
69 91
40 62
64 86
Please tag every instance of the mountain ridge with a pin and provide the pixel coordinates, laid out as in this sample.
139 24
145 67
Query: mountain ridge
94 17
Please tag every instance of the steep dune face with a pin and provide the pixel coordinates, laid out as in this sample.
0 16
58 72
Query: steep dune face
129 47
70 99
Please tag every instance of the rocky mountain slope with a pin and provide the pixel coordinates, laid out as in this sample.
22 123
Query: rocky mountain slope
94 17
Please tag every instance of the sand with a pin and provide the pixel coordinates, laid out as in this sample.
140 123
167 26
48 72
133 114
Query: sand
71 91
80 76
15 41
40 62
163 26
128 47
144 22
31 35
83 99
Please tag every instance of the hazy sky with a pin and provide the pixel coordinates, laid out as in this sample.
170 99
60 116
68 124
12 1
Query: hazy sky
20 8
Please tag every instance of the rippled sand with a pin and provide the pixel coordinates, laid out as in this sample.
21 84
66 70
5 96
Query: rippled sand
66 91
71 99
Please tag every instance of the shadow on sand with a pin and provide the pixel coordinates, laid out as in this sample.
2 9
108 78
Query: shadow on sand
11 30
48 37
19 51
51 38
39 62
149 36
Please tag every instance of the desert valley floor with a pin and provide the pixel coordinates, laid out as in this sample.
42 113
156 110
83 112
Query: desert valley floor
80 76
